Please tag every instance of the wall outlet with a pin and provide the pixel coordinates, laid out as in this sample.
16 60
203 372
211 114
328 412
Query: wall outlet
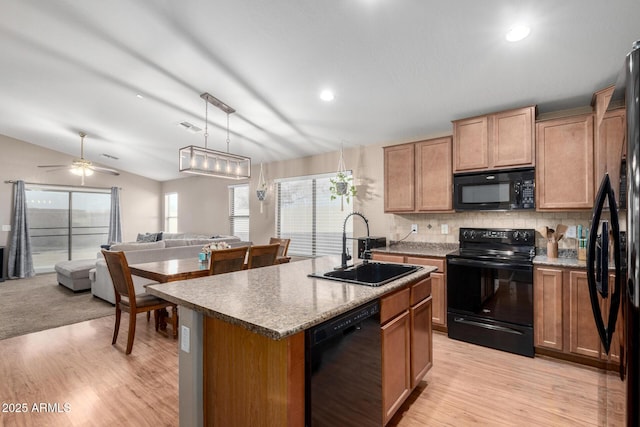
571 232
184 339
6 227
444 228
414 228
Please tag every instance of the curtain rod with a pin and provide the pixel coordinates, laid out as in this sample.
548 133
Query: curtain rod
10 181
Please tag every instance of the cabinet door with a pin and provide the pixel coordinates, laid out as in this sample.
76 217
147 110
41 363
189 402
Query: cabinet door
618 336
438 289
564 164
610 146
434 175
399 178
513 138
547 308
471 144
583 335
396 364
421 341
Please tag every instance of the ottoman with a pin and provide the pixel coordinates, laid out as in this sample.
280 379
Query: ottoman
75 274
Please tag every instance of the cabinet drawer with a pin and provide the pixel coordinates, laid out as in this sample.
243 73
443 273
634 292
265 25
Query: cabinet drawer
435 262
388 257
394 304
420 290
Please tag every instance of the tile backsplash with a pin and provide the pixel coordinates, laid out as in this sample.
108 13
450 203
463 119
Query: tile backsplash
430 225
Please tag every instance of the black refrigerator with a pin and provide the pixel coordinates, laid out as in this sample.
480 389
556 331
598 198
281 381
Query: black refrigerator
611 249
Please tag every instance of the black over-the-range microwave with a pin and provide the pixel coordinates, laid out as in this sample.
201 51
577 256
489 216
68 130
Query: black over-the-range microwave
496 190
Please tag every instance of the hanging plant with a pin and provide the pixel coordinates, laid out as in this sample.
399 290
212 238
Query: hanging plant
342 184
261 191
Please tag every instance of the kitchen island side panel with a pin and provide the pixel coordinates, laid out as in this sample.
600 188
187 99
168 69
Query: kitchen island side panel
254 380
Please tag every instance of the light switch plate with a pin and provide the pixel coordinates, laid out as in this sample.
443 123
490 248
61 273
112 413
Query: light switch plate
6 227
571 232
444 228
184 338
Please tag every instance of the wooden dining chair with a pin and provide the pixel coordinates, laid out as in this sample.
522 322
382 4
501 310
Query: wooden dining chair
284 245
227 260
262 255
128 301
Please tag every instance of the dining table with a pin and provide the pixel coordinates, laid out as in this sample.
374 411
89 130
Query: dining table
171 270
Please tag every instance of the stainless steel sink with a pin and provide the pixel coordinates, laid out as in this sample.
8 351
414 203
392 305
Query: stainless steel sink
369 274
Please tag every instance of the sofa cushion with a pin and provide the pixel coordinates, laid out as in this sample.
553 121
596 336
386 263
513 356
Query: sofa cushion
149 237
138 246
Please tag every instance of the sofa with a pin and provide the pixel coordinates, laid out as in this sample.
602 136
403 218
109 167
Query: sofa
141 252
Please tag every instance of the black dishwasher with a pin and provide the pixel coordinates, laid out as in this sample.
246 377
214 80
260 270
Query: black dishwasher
343 370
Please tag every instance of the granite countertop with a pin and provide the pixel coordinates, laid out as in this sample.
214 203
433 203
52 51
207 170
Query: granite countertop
559 262
427 249
276 301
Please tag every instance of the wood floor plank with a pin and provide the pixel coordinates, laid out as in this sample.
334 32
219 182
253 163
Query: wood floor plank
467 386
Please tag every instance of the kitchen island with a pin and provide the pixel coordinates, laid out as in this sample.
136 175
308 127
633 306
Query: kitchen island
242 338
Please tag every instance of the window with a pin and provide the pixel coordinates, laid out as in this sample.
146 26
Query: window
171 212
239 210
66 224
307 215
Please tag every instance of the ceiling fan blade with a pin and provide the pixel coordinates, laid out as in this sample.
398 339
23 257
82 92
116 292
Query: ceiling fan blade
104 170
63 168
53 166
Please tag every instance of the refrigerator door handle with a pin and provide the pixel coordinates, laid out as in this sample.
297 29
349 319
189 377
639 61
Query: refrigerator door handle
606 332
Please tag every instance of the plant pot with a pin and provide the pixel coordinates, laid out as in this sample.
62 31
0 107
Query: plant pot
262 194
342 188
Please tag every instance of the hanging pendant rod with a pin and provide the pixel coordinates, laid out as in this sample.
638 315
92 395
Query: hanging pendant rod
215 101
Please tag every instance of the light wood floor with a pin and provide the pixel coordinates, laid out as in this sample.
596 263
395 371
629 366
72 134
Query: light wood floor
468 385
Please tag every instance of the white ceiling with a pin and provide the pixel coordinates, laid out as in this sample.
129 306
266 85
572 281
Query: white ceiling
401 70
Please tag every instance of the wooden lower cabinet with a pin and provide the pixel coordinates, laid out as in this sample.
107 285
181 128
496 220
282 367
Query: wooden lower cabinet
396 363
583 336
421 341
563 317
438 285
547 308
407 343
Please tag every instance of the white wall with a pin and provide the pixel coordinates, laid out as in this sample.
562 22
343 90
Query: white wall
140 197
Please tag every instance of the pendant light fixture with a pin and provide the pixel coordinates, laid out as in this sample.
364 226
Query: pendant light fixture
204 161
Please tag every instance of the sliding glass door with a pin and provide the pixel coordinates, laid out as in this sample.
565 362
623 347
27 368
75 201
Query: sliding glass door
66 224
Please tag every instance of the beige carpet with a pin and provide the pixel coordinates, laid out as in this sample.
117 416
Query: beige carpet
38 303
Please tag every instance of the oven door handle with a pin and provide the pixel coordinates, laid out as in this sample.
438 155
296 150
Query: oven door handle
487 326
489 264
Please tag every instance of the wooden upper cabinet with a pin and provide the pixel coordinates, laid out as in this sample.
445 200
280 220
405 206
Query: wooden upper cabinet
610 147
495 141
471 144
399 175
434 179
564 163
418 176
513 138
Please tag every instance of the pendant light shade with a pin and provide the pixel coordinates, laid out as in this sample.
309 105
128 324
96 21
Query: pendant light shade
214 163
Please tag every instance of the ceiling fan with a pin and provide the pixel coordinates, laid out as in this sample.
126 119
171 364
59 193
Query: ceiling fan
81 167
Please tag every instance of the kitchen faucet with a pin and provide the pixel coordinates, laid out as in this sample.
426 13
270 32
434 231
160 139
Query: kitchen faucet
345 256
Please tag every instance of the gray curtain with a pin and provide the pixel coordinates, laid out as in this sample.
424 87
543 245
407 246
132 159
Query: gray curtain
115 228
20 263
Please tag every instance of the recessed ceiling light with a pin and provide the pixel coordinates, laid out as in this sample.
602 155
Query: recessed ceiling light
327 95
517 33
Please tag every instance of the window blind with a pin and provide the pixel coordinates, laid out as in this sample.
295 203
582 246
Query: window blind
307 215
239 210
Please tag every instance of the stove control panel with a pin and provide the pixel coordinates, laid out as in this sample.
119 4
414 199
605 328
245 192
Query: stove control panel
503 235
